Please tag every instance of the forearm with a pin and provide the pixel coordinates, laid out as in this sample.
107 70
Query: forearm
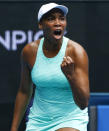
21 103
80 92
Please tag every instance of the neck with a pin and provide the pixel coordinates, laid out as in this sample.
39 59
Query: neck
52 45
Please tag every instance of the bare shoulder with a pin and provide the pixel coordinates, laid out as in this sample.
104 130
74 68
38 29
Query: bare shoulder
78 52
30 50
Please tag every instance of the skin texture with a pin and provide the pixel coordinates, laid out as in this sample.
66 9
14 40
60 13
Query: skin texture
67 129
74 66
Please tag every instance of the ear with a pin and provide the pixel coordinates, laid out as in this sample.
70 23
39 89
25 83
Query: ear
40 26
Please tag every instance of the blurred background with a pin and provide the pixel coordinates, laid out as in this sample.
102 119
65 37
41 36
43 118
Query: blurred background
88 24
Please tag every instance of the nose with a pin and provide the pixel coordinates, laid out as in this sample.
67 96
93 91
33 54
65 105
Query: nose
57 22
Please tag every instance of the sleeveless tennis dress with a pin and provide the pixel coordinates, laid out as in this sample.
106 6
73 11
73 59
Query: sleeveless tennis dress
53 105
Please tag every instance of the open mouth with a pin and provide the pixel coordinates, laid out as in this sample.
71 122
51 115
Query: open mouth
57 32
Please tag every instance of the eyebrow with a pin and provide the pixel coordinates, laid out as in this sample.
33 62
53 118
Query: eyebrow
54 15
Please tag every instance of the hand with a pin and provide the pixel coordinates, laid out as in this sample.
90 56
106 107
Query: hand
67 66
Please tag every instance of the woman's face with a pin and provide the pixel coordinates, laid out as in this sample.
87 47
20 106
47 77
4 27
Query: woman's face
54 24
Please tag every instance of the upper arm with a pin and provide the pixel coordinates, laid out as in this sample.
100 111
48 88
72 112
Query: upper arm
81 68
25 82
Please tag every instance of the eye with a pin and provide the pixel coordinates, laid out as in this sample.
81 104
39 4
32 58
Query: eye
50 18
62 18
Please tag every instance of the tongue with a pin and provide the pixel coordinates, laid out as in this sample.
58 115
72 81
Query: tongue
57 32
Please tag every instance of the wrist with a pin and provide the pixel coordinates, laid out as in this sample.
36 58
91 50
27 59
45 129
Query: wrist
70 78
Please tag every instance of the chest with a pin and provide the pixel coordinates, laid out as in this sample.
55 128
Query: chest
48 74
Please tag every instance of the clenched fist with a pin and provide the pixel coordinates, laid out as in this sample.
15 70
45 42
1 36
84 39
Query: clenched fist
67 66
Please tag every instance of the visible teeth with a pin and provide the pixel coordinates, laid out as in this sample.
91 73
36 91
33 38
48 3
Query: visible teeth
57 32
